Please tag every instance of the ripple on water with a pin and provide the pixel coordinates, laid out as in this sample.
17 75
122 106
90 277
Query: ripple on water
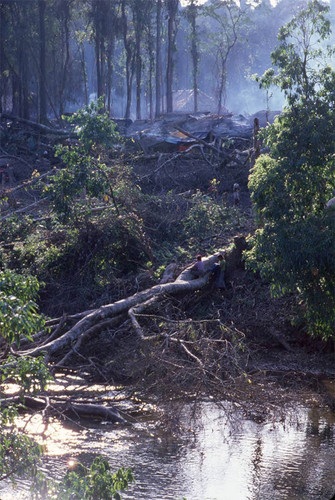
218 456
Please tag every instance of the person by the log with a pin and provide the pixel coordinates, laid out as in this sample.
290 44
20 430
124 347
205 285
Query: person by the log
198 268
218 272
236 194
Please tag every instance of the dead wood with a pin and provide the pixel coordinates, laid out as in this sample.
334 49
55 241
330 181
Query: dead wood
219 152
94 330
79 410
25 184
133 311
70 317
26 208
38 126
182 285
169 273
57 330
18 158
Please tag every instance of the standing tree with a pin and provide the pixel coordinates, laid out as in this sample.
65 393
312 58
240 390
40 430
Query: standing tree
172 9
99 15
42 63
228 17
141 16
158 57
14 54
191 15
63 10
150 45
294 247
129 46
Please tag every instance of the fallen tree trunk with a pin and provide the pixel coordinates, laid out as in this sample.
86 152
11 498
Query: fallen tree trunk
184 283
38 126
79 410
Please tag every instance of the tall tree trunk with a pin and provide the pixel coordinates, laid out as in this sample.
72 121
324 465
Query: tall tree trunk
151 70
84 70
2 59
100 10
138 73
97 61
24 85
194 53
24 61
66 58
172 6
15 95
129 59
110 53
42 69
158 57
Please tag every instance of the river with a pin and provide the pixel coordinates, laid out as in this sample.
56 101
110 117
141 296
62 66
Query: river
210 452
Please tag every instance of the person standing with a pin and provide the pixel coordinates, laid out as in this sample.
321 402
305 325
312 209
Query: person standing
218 272
236 194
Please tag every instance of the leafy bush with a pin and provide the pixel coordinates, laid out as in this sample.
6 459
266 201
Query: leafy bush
208 218
294 247
18 311
18 317
95 483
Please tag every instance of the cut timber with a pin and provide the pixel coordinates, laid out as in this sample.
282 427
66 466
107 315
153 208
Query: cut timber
185 283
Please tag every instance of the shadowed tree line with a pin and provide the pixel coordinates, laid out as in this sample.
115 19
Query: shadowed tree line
55 53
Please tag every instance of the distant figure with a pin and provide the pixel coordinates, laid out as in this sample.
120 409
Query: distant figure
198 269
218 272
236 194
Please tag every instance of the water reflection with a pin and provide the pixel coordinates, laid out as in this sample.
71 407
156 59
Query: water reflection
218 455
281 461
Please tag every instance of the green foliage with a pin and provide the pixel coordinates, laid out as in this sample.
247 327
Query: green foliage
94 127
299 56
85 175
18 311
294 248
95 483
30 374
207 218
19 455
83 178
15 227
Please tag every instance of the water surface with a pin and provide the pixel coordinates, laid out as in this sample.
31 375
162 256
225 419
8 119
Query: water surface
216 454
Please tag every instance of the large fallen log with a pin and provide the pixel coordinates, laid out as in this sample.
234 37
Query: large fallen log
40 127
185 283
77 410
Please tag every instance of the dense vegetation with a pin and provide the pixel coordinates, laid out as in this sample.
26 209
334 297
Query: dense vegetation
291 185
55 53
106 236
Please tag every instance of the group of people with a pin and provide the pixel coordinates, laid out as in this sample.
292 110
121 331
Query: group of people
217 270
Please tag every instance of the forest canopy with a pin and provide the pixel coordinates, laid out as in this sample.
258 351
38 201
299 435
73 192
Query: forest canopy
57 55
